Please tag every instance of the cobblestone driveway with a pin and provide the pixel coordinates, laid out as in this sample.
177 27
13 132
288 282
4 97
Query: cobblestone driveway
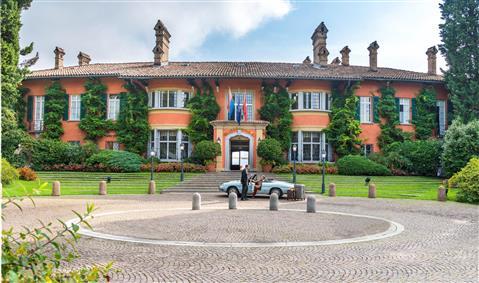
439 244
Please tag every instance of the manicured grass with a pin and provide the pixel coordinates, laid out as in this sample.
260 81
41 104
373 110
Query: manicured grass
405 187
86 183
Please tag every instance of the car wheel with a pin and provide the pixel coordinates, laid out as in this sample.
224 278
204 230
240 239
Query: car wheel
233 190
276 191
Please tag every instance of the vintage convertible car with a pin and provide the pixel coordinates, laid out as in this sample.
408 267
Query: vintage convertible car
269 186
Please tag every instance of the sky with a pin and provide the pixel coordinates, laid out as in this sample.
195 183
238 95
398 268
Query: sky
267 30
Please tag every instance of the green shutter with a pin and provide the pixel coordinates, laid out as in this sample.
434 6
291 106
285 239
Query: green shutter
67 106
123 97
376 109
104 98
358 110
82 109
30 109
414 109
398 107
450 110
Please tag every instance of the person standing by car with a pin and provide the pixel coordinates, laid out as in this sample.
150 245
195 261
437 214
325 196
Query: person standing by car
244 183
257 185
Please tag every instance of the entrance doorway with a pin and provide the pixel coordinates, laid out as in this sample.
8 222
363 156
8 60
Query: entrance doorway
239 152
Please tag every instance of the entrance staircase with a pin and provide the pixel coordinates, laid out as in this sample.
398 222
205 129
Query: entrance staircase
209 182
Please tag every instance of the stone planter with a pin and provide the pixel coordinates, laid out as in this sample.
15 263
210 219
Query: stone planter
267 168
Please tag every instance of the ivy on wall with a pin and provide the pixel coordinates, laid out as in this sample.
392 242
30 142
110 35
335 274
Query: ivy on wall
132 127
56 101
389 111
344 127
204 109
275 110
94 108
424 113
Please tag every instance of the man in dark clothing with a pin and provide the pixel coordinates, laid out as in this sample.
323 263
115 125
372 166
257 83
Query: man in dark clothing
244 183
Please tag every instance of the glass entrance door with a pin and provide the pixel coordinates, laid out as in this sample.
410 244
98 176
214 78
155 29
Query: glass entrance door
239 154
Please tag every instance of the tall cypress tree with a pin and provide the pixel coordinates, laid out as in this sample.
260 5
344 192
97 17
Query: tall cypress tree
460 37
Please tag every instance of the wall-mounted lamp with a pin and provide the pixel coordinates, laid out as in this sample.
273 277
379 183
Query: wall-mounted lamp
218 140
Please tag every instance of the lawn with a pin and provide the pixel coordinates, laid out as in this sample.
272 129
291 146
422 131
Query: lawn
405 187
86 183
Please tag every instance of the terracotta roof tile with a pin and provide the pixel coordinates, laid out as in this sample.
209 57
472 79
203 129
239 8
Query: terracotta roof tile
263 70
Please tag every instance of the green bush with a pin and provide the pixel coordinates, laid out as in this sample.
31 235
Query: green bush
116 160
47 152
467 182
270 151
9 173
415 157
461 143
205 151
358 165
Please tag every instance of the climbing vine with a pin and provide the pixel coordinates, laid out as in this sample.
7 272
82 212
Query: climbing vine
424 113
275 110
94 104
204 109
132 127
56 101
389 111
344 129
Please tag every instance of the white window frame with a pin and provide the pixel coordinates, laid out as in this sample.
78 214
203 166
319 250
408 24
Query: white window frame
249 103
405 114
441 104
39 113
113 107
365 109
155 144
75 107
175 98
312 100
323 145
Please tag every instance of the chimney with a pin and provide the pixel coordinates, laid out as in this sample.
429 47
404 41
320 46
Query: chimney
83 59
431 60
336 61
345 55
307 60
59 53
320 51
162 46
373 56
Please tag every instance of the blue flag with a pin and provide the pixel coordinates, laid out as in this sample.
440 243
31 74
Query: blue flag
238 114
231 112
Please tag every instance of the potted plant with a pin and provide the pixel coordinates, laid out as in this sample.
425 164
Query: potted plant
206 152
270 152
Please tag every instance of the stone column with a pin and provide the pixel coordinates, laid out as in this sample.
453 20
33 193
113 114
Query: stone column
56 189
345 55
196 201
372 191
332 189
373 56
232 201
102 190
431 60
273 202
152 187
441 194
311 204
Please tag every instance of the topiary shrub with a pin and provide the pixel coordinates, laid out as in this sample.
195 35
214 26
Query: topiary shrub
206 151
47 152
116 160
415 157
461 143
270 152
358 165
467 182
9 173
27 174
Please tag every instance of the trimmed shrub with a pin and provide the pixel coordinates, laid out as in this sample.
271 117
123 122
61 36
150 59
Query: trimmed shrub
46 152
116 160
302 168
270 151
174 167
358 165
467 182
206 151
415 157
9 173
461 143
27 174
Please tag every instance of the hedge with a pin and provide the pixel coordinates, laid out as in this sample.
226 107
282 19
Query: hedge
359 165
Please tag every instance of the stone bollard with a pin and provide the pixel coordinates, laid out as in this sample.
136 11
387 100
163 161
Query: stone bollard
273 202
196 201
152 187
372 191
56 189
311 204
232 201
332 189
102 190
441 194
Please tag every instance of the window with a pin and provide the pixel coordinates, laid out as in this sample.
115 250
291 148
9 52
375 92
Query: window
404 110
169 99
75 104
441 117
39 111
166 144
294 142
311 146
112 145
310 100
294 97
238 97
365 109
113 107
367 149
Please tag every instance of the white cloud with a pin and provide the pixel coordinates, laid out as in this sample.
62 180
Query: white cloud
123 32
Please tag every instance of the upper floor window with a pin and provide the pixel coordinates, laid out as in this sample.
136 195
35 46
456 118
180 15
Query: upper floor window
239 98
113 107
310 100
404 110
441 117
365 109
75 106
169 99
39 112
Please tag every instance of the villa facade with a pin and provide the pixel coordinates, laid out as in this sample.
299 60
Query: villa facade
170 85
